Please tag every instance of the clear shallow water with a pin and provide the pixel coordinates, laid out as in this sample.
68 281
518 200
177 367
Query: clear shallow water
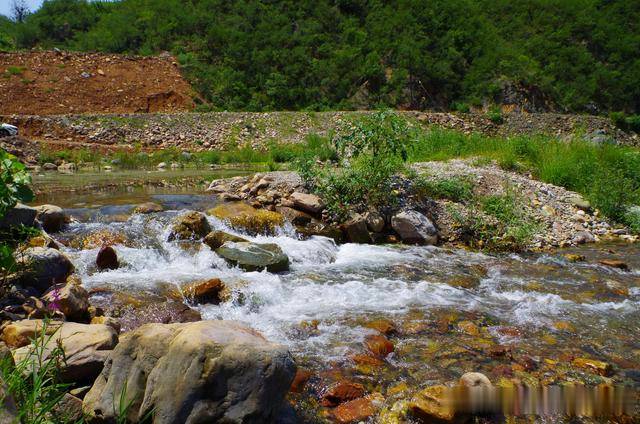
538 306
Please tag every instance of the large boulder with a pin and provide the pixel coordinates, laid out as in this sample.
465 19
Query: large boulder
356 230
71 299
42 267
191 225
307 202
414 228
19 215
215 239
51 217
255 256
206 371
85 346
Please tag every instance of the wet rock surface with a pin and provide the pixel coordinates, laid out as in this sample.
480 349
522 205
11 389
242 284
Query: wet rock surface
254 256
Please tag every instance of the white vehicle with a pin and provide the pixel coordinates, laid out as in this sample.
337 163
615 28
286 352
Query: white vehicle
7 130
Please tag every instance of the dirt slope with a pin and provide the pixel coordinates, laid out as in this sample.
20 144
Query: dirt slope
53 82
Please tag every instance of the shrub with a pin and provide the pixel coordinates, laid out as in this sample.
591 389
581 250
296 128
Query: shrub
15 182
495 115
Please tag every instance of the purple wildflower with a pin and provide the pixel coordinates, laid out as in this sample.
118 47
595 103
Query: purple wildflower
54 305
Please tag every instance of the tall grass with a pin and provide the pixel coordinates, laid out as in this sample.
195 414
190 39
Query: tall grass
607 175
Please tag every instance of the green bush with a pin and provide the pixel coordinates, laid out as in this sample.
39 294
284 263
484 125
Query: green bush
495 115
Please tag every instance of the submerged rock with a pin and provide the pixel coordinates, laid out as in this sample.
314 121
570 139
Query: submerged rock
190 225
614 263
215 239
148 207
358 410
207 371
85 346
341 392
255 256
414 228
51 217
430 405
43 266
107 258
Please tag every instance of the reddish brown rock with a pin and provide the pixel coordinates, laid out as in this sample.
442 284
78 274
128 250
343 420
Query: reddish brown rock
341 392
384 326
206 291
378 345
358 409
107 258
300 380
614 263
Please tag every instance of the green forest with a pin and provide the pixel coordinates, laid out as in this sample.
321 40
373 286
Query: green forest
558 55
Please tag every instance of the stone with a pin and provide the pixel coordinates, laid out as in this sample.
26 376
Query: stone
18 215
161 165
356 230
300 380
242 216
100 238
358 410
583 237
431 405
375 221
51 217
71 299
579 202
67 168
107 258
207 371
206 291
593 365
384 326
323 230
306 202
294 216
85 346
217 238
614 263
474 379
8 410
43 267
341 392
148 207
190 225
255 256
110 321
414 228
573 257
49 166
378 345
69 408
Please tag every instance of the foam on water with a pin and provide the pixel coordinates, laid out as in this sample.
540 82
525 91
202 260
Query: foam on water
336 284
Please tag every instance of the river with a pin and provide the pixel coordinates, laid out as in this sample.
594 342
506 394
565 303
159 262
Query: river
510 316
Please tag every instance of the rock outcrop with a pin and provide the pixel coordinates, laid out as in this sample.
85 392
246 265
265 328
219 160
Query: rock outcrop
19 215
207 371
414 228
51 217
189 226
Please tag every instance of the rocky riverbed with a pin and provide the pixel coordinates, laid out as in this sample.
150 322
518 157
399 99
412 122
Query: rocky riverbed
344 331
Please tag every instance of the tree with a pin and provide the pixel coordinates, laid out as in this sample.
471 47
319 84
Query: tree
19 10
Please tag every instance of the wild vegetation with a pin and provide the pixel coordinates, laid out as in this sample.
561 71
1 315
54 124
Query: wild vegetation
577 55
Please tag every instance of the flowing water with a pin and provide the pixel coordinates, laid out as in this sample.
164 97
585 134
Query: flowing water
510 316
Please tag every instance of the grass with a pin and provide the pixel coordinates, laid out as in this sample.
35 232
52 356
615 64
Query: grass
457 189
15 70
274 154
607 175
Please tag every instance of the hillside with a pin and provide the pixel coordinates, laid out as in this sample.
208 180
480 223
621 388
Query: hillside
560 55
54 82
